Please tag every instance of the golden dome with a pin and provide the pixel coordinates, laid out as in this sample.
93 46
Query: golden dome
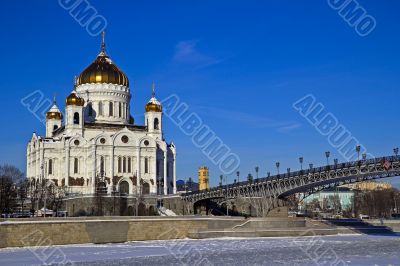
54 113
153 105
103 70
73 99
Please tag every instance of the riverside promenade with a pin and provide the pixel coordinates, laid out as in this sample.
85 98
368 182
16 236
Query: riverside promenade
103 230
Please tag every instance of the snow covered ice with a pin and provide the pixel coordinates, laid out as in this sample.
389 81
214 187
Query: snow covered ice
331 250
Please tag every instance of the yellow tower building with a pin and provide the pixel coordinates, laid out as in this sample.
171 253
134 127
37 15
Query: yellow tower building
204 178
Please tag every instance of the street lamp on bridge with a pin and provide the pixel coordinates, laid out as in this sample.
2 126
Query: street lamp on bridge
327 154
364 156
301 160
358 150
238 176
277 166
311 166
257 169
396 151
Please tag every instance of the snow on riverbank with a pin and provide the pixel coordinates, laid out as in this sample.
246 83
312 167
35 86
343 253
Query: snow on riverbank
352 250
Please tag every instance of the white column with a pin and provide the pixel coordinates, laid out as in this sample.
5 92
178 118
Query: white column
153 161
138 169
174 175
67 155
93 183
86 169
165 174
41 160
37 167
112 167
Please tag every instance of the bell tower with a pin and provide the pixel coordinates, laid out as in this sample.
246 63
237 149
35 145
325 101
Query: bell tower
53 119
74 113
153 116
204 178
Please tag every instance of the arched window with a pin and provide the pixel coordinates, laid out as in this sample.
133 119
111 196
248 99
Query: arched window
100 108
119 110
102 168
90 107
124 188
123 110
146 165
50 170
146 189
111 109
124 165
119 165
76 118
156 123
129 165
76 166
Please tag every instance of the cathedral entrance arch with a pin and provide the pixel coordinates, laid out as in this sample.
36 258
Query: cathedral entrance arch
124 188
130 211
141 209
146 189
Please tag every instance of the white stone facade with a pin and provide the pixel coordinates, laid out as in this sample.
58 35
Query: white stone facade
97 145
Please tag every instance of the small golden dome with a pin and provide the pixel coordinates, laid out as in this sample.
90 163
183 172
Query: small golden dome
153 105
54 115
73 99
54 112
103 70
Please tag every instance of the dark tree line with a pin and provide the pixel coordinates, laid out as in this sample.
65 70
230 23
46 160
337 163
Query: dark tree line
378 203
12 187
381 203
17 193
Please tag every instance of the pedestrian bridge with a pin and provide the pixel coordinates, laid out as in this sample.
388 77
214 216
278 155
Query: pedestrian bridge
275 188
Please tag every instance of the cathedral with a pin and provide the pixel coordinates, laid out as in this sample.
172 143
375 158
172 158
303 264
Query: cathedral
95 146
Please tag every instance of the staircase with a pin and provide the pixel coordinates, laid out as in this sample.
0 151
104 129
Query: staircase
354 226
267 227
165 212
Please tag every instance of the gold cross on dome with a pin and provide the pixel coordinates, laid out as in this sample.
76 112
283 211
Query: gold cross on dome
103 41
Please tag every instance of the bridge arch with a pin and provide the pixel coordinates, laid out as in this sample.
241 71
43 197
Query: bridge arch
277 188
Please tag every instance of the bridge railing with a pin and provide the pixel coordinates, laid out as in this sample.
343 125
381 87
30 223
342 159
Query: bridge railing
335 167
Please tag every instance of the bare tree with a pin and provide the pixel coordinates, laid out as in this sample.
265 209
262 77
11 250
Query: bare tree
334 203
10 176
56 196
12 172
377 203
22 192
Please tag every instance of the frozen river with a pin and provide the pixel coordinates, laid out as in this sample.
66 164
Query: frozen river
332 250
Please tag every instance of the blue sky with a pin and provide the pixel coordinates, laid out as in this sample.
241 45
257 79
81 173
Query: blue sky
240 65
